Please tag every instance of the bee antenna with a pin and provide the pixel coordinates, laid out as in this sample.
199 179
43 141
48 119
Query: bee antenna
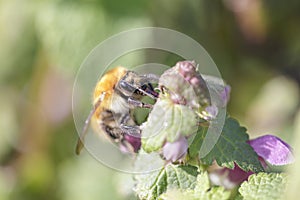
80 142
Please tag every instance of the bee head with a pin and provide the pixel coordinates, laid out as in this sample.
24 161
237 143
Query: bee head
136 85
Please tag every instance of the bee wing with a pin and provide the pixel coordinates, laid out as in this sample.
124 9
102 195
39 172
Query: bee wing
80 145
80 141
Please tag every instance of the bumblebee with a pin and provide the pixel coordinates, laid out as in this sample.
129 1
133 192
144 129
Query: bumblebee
115 96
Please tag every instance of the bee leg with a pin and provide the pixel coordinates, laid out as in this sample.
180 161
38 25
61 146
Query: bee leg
131 130
125 118
137 103
148 88
114 133
131 88
148 80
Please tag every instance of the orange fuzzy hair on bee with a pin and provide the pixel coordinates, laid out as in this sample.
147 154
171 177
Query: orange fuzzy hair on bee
107 85
101 99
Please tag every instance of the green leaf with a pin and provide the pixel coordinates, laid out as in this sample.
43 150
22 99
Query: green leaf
196 142
232 147
201 191
150 186
264 186
166 122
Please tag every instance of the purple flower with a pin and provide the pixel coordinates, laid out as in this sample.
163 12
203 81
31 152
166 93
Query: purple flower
269 148
225 95
229 178
211 112
135 142
188 70
272 149
185 85
176 150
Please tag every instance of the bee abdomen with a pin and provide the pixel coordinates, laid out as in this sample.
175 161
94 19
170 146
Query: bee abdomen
114 133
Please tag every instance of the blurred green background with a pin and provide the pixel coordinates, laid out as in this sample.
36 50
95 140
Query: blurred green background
255 44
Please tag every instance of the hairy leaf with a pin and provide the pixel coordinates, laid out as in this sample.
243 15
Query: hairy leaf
166 122
201 191
152 185
263 186
232 147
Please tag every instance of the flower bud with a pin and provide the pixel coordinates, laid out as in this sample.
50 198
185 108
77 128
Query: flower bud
176 150
185 85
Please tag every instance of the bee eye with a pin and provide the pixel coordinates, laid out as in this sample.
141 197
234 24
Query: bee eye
123 84
126 86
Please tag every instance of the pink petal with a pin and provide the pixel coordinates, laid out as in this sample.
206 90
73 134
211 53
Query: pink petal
229 178
212 112
225 95
134 141
272 149
176 150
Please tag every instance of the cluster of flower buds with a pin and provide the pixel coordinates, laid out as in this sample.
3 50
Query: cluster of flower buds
184 92
205 94
184 85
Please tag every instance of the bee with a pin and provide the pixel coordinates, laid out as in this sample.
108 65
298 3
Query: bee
115 96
